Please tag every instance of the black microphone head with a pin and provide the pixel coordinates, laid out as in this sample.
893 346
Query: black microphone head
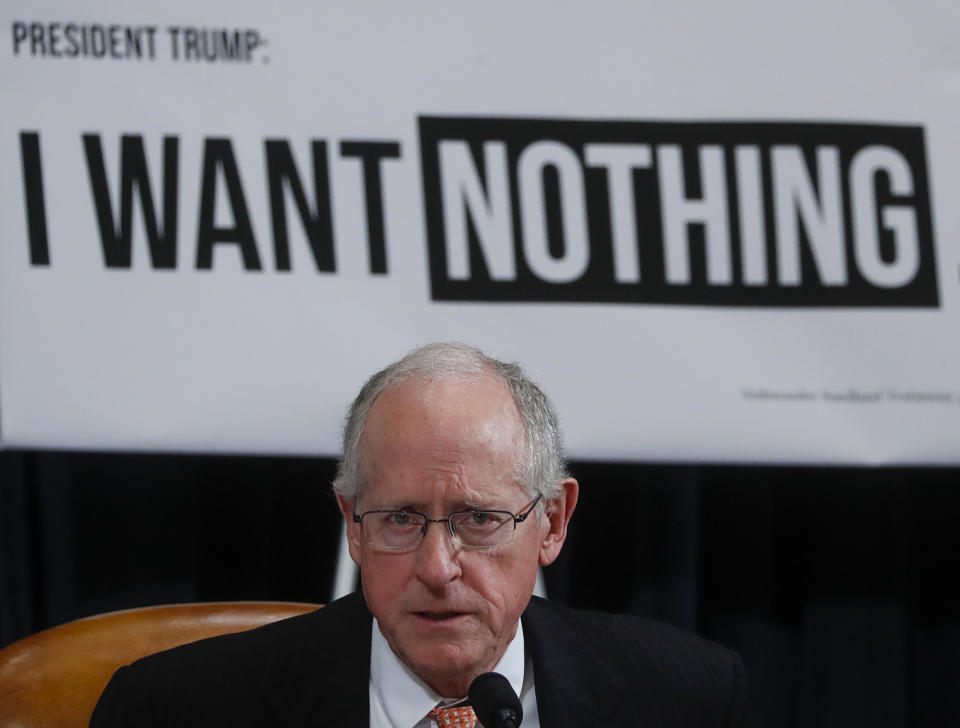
494 701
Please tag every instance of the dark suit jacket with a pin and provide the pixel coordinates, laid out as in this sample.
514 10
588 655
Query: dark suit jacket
313 670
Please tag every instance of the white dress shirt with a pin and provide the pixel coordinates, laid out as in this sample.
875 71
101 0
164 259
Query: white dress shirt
399 699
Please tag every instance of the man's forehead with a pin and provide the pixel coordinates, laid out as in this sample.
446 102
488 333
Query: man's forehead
506 498
459 441
417 474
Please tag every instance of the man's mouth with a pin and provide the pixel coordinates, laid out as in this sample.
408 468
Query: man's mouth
437 616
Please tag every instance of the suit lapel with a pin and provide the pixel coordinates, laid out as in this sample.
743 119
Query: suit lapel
573 677
328 682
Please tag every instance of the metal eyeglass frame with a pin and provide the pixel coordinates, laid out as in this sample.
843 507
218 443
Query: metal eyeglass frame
517 518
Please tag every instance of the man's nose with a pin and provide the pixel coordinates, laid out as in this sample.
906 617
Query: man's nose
438 558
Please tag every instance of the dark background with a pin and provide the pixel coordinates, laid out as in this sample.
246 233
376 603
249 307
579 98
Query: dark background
838 586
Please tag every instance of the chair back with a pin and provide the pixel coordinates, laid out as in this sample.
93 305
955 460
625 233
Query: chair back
54 678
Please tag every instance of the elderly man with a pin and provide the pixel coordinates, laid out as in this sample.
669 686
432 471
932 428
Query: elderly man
454 491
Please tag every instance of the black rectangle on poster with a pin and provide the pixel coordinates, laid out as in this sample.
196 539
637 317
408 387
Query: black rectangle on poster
750 214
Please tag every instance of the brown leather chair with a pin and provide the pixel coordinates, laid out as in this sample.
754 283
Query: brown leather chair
53 679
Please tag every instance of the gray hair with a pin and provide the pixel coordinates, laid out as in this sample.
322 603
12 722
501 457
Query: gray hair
541 469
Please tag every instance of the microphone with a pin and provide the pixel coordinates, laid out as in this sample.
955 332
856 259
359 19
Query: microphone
494 701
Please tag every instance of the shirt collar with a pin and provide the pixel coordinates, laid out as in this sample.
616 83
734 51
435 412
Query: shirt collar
405 698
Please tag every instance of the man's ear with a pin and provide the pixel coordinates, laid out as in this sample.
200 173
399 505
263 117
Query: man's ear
558 513
353 529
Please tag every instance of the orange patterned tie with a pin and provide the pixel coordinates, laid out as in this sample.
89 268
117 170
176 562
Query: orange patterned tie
460 717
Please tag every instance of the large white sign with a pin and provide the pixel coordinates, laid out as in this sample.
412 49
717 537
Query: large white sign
712 233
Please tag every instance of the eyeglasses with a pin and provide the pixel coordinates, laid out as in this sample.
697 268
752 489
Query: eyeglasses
475 529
